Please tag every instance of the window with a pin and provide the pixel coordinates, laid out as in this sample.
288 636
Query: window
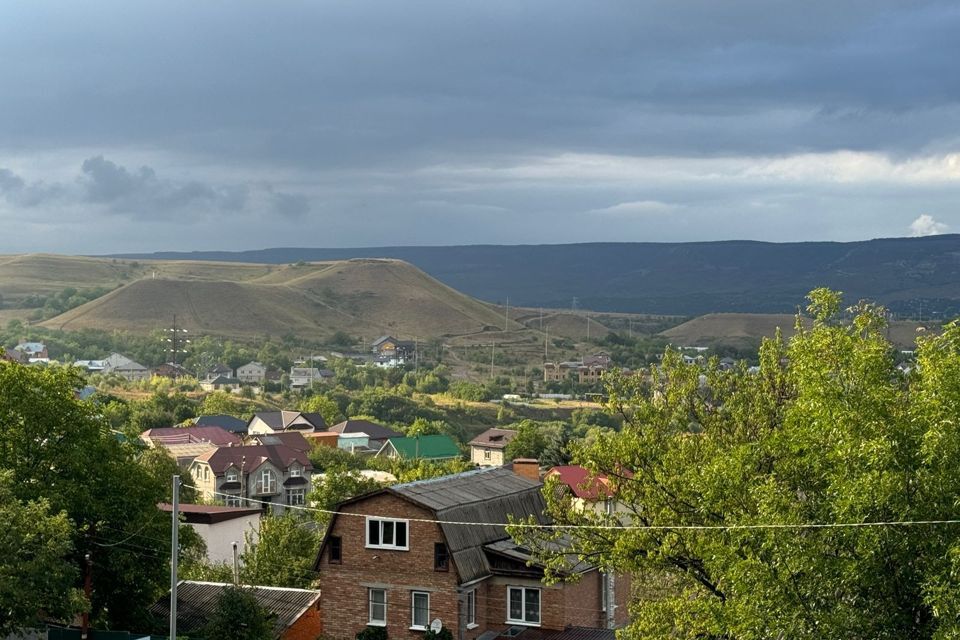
233 501
232 475
377 599
296 497
441 558
268 482
471 609
294 471
334 550
419 609
383 533
486 454
523 605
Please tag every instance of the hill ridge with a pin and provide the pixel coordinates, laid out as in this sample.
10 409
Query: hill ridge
689 278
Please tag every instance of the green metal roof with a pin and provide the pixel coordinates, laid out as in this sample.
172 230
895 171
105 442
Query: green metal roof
432 446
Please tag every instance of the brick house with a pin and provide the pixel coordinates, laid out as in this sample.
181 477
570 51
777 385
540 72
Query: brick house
393 567
273 473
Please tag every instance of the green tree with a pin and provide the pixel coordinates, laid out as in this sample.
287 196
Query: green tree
337 486
59 449
827 432
530 441
325 406
36 575
221 402
283 554
239 617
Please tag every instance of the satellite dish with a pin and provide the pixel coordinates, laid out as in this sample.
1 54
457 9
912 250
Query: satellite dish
436 625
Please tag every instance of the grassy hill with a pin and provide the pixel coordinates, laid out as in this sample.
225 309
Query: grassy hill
912 276
362 297
744 329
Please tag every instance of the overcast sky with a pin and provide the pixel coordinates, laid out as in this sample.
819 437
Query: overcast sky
138 126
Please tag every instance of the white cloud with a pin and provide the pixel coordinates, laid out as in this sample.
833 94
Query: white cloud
925 225
637 208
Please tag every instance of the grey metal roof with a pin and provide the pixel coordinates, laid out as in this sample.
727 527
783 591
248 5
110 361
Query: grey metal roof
197 602
481 496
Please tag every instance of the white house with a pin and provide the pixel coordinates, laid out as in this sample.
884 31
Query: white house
252 372
221 526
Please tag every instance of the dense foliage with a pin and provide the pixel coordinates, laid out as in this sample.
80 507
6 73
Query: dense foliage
60 457
828 431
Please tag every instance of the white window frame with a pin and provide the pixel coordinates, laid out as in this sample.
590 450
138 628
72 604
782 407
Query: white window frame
268 481
232 475
302 493
413 611
380 544
471 607
487 454
371 621
295 471
523 606
233 501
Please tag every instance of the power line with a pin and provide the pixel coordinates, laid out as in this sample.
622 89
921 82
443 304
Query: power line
622 527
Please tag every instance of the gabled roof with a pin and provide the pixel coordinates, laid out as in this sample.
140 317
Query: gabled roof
252 363
197 603
184 435
120 361
382 339
372 429
494 438
230 423
223 380
483 496
250 457
292 439
581 482
435 446
283 420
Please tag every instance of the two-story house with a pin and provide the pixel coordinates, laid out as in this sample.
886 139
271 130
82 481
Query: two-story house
272 473
486 450
413 553
253 372
276 421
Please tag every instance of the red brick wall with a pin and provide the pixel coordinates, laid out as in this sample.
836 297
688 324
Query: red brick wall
344 603
307 627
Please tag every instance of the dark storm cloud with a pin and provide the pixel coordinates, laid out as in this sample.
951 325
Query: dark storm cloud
378 122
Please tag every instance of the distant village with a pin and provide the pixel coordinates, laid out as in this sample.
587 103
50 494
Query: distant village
399 558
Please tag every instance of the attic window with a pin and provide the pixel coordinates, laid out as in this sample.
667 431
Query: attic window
387 533
441 557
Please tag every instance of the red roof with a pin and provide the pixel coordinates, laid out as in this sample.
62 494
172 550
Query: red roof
185 435
209 513
581 482
249 457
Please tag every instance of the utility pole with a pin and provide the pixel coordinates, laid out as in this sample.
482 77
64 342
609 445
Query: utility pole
574 304
546 342
506 316
88 592
236 564
176 341
174 555
610 578
493 349
588 327
541 318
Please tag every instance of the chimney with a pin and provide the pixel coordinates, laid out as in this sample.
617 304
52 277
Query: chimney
528 468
